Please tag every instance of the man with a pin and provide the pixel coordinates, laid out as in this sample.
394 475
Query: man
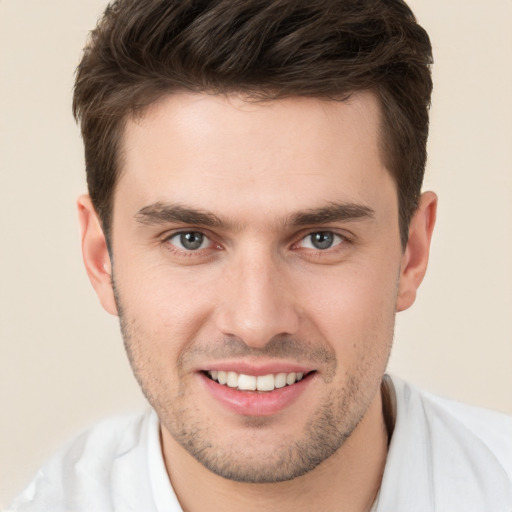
255 220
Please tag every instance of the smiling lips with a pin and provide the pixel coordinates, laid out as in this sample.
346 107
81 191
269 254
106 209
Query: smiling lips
257 391
245 382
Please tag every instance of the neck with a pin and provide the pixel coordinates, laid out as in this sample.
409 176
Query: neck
348 480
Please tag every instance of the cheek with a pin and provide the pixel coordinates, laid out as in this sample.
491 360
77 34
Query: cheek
160 320
354 309
168 304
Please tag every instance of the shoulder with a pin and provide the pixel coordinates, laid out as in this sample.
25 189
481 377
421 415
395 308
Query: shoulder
455 456
492 430
92 471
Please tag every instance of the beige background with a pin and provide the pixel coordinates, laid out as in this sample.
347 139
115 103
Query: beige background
62 365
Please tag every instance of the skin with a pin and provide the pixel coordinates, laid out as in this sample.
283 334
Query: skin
259 292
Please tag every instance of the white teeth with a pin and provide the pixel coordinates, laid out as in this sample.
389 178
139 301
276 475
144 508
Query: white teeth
251 383
290 378
265 383
247 382
232 381
280 380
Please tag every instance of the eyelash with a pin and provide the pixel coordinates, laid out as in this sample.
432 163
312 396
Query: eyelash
344 239
188 252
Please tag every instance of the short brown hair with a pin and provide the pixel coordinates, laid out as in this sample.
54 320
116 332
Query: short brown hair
267 49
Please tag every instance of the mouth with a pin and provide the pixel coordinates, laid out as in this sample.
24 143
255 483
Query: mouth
262 383
265 394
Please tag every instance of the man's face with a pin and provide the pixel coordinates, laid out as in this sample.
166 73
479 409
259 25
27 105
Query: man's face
261 240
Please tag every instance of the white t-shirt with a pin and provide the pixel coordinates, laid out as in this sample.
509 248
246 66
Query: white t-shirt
443 457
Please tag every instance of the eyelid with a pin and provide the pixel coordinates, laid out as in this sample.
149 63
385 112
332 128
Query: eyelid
205 241
343 234
168 235
165 238
307 241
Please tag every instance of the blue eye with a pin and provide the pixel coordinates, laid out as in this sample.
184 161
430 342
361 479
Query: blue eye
321 240
189 240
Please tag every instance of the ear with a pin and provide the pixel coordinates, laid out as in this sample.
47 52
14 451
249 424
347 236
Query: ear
415 257
95 254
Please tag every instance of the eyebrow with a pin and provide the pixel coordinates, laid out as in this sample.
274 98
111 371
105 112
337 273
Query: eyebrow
164 213
333 212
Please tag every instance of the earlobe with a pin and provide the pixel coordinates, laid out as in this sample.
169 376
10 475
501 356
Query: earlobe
415 257
95 254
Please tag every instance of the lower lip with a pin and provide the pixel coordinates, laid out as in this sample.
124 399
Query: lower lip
256 403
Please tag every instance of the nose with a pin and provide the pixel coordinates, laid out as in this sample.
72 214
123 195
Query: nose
256 300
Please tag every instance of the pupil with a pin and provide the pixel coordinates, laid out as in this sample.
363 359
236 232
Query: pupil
322 240
191 240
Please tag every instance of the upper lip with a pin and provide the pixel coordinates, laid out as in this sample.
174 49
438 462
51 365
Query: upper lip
257 369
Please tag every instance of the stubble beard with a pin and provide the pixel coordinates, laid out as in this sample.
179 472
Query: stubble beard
274 462
323 434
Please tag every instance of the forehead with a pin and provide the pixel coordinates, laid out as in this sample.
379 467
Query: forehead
286 154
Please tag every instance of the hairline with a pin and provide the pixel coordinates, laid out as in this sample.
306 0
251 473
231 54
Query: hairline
257 96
